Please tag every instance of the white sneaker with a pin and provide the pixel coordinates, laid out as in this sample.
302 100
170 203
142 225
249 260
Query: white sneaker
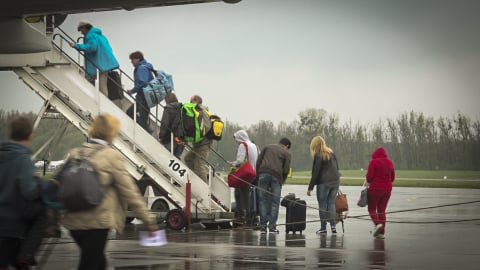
380 236
376 231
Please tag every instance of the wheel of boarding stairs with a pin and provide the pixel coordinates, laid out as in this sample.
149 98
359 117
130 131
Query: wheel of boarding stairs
176 219
160 205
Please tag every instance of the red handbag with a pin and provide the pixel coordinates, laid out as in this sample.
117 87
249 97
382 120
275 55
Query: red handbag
242 176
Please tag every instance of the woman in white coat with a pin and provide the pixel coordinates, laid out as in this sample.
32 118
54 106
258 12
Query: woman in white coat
242 195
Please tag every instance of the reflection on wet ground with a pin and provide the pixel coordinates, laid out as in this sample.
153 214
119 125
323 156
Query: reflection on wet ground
407 246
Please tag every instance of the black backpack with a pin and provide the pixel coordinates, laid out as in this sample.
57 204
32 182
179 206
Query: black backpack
79 187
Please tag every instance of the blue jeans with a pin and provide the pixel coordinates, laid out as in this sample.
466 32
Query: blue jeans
269 192
326 200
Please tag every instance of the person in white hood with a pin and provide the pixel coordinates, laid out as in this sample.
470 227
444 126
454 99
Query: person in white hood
242 195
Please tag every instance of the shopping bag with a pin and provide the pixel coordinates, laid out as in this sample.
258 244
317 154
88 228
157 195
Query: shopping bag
363 200
341 202
242 176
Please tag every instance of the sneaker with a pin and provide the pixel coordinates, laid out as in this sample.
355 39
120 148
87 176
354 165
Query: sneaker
377 229
263 231
322 231
380 236
273 231
334 230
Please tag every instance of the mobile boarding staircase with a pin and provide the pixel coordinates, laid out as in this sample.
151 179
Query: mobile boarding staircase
59 80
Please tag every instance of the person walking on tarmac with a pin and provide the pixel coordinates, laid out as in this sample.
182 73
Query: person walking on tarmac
272 168
98 54
89 228
21 210
142 74
242 195
379 178
196 159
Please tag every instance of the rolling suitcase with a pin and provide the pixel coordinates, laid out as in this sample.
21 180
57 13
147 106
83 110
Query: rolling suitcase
296 216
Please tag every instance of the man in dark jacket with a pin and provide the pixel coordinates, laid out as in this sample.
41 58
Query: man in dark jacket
272 169
170 123
18 190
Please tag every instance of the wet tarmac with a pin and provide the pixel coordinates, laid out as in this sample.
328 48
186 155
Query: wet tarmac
424 239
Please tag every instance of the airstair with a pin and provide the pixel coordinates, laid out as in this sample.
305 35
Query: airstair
59 80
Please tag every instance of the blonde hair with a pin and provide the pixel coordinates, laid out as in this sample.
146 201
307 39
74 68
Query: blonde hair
320 148
105 127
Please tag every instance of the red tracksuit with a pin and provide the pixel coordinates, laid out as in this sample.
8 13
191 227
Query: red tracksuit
380 176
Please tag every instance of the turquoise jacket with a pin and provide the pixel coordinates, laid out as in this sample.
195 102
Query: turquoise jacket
98 53
17 185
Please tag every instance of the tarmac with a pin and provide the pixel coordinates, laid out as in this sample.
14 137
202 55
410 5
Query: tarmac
434 238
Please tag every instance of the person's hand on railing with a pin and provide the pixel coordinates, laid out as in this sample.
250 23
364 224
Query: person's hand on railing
72 44
178 140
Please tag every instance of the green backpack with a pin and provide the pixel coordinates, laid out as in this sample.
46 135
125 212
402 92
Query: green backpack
195 122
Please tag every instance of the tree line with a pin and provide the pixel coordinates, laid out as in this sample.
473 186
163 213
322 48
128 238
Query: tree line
413 140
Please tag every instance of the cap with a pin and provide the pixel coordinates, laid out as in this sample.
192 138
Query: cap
82 24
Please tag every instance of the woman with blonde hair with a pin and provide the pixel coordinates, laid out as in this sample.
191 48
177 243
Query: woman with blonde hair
89 228
327 178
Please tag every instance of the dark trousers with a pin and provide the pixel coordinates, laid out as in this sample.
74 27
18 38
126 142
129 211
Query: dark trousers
92 248
16 251
9 248
143 110
33 239
242 201
177 148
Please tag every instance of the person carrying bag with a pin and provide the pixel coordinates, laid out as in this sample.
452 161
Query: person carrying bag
243 175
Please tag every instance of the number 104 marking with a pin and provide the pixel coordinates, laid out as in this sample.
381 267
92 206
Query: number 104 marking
176 167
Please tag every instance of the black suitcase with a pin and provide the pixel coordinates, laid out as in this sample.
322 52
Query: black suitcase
296 216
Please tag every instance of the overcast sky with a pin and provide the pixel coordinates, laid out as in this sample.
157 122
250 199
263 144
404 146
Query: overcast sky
270 59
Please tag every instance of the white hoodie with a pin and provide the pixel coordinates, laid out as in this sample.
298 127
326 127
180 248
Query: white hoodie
242 136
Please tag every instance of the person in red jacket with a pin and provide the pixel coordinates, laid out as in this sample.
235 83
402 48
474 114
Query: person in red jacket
380 177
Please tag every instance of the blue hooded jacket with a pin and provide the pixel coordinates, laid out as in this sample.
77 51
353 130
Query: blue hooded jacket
141 76
17 185
98 53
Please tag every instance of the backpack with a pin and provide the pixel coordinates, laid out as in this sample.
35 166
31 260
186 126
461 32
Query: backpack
194 121
156 90
216 130
79 187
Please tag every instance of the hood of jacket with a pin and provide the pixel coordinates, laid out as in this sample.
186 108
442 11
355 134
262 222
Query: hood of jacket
173 105
145 63
380 153
95 31
10 150
241 136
